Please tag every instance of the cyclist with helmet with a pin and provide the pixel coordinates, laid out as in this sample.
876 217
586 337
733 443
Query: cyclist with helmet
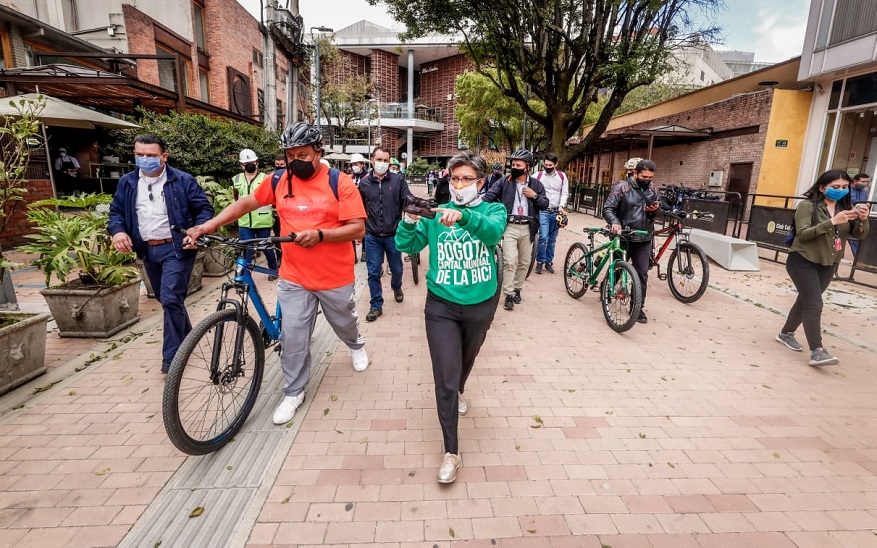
493 177
557 191
256 224
523 197
633 203
317 268
630 166
395 166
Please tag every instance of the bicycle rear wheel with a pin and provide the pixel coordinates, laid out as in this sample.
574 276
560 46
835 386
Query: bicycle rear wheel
532 257
415 267
204 407
623 300
688 272
575 270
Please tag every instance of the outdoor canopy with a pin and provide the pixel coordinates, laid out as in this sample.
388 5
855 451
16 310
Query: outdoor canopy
58 113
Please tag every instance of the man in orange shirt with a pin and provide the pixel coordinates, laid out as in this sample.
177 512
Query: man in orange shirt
317 268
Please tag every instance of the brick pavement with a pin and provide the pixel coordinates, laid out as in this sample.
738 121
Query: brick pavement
696 429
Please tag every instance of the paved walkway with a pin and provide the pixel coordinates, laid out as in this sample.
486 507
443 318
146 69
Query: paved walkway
696 429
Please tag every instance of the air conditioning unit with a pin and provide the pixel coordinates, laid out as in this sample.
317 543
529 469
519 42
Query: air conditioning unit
716 178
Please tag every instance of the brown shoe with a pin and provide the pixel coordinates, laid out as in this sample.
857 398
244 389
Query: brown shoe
448 471
373 314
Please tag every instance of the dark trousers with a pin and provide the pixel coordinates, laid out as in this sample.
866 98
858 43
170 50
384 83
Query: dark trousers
375 249
638 255
811 280
455 333
169 277
249 234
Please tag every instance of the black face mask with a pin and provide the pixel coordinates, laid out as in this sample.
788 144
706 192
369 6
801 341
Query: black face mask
517 172
643 182
250 168
549 170
303 170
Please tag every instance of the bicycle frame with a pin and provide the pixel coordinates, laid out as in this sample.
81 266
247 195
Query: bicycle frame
613 253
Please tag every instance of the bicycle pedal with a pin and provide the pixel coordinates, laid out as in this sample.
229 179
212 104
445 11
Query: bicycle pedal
662 277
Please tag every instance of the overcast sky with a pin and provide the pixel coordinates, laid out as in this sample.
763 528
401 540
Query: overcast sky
773 29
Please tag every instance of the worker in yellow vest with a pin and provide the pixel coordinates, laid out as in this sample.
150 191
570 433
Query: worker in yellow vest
258 223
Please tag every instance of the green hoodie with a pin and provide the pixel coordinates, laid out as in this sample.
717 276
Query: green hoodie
462 265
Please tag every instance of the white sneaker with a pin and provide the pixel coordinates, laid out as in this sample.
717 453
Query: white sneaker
360 360
462 405
286 410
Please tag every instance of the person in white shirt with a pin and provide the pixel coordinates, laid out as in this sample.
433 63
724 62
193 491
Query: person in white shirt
146 205
65 164
556 186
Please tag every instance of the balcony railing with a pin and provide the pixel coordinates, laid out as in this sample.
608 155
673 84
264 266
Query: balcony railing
421 112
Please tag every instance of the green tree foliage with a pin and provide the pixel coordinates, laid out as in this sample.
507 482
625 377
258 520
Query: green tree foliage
652 94
563 51
201 145
344 101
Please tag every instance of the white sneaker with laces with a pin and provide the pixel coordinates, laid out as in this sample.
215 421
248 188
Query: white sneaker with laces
360 360
286 410
462 405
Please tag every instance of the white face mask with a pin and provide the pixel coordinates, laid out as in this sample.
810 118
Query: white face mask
467 196
381 167
357 169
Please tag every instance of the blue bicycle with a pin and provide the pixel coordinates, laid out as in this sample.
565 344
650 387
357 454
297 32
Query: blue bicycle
214 379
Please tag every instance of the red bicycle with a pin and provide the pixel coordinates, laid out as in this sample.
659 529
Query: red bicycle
688 269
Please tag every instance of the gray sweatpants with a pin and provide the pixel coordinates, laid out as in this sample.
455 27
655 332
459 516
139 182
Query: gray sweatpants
299 308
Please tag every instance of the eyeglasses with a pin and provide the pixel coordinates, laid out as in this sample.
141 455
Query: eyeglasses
464 180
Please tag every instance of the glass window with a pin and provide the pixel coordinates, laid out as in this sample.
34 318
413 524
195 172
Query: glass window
861 90
198 17
852 19
205 85
826 140
852 140
836 88
167 72
824 24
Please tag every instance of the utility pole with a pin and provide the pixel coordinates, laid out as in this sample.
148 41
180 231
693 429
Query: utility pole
317 69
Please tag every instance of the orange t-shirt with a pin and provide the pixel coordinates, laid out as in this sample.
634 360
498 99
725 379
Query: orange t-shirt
327 265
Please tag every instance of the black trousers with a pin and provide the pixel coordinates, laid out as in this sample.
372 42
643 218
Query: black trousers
455 333
811 280
638 255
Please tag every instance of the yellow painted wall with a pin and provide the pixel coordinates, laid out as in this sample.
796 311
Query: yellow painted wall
779 166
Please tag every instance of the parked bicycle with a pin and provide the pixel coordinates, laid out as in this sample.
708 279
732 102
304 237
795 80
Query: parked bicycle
675 195
214 379
621 295
688 269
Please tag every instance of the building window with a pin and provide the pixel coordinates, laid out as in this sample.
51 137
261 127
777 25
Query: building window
6 60
281 115
198 19
260 100
167 71
204 83
852 19
258 60
702 76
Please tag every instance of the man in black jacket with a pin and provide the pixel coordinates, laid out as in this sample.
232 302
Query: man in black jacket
523 197
383 194
632 203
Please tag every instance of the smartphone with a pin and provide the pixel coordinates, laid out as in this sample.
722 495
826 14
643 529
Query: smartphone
418 206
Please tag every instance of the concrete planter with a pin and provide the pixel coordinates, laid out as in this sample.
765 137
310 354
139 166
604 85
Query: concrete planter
22 349
217 263
7 292
194 279
81 311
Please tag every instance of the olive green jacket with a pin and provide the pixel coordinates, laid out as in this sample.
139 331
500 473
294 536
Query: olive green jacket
815 242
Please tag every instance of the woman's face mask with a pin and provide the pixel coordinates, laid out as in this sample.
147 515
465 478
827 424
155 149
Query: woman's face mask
465 196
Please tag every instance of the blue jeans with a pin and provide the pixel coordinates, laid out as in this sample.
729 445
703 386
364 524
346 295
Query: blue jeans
169 277
249 234
548 230
375 249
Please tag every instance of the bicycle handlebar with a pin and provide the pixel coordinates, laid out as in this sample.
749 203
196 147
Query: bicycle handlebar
207 239
607 232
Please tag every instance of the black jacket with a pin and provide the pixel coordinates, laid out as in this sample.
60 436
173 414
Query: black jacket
383 200
504 191
442 193
626 204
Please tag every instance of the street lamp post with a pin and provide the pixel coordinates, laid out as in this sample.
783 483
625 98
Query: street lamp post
317 69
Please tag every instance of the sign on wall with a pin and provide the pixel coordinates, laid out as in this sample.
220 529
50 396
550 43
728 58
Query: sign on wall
769 226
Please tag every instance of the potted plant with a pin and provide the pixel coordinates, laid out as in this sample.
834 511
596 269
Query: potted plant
103 297
216 262
22 335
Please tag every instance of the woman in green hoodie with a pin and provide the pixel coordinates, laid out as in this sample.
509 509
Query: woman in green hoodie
461 288
816 250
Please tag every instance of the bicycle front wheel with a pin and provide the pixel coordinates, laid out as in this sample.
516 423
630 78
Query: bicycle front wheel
688 272
575 271
415 267
533 253
622 300
206 398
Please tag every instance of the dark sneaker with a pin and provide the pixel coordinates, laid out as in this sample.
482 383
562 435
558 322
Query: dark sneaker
642 318
549 267
373 314
398 295
509 302
538 268
272 278
165 367
820 356
517 296
788 339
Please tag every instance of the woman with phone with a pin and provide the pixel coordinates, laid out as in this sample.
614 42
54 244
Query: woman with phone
461 288
815 253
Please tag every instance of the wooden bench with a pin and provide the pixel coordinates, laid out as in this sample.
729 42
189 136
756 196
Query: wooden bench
730 253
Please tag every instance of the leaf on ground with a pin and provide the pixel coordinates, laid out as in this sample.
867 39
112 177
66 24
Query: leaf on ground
196 512
641 436
72 393
776 455
288 425
334 397
571 390
285 501
531 531
228 468
537 419
451 532
157 544
325 411
610 412
363 440
103 472
767 386
517 447
145 390
348 507
671 465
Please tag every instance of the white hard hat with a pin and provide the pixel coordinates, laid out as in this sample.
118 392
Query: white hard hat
248 156
358 158
325 162
631 164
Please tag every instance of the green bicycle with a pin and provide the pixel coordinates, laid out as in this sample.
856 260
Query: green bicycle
621 293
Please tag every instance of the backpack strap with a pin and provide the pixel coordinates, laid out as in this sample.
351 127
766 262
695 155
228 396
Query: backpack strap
539 175
333 181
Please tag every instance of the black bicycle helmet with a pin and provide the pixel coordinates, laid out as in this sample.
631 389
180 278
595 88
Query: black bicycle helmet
562 220
522 154
301 134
